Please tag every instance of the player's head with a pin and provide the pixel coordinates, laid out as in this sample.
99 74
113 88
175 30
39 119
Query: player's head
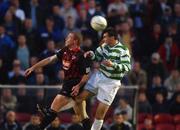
110 36
72 40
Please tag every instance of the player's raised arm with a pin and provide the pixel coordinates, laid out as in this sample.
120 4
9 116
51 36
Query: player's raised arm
41 63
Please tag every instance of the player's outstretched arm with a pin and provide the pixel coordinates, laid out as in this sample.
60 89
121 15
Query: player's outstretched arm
41 64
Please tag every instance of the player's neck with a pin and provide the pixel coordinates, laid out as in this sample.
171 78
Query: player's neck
74 47
113 43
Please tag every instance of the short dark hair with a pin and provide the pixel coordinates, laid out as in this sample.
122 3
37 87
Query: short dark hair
111 32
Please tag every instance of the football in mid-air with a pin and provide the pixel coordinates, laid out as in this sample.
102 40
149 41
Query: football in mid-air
98 23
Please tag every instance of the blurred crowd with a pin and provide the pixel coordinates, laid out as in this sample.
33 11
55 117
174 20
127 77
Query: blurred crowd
31 30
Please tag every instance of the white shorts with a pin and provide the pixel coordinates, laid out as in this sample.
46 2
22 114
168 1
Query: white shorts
105 88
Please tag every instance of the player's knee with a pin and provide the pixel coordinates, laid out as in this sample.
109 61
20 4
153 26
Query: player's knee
78 100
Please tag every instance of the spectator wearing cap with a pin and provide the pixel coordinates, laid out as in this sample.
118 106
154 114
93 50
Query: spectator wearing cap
169 53
124 106
155 67
119 123
10 123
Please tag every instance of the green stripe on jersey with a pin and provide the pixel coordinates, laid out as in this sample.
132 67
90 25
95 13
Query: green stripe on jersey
118 54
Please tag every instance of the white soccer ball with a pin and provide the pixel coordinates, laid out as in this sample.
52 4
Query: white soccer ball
98 23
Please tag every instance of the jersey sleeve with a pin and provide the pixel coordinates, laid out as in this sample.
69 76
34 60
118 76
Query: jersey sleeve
59 53
84 64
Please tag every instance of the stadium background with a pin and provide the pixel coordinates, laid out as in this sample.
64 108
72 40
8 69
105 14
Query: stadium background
31 30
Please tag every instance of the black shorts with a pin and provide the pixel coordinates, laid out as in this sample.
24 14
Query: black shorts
67 87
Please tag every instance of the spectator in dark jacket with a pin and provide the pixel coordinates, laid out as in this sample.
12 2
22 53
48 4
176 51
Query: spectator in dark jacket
175 106
75 123
143 104
56 125
160 105
119 123
10 122
34 122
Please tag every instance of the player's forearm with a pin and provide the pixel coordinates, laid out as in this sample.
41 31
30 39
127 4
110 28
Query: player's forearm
122 67
83 80
44 62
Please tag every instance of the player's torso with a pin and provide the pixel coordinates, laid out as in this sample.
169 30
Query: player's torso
70 63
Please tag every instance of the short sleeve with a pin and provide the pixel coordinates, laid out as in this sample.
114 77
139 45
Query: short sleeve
84 64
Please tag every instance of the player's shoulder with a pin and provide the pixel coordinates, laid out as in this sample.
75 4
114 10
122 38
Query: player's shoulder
121 46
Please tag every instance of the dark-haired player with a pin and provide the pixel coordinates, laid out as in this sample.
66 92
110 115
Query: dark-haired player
114 59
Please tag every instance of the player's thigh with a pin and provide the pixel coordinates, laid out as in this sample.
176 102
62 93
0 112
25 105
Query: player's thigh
58 102
101 110
83 96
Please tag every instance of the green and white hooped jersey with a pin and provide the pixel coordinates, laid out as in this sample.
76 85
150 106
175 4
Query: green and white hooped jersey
119 55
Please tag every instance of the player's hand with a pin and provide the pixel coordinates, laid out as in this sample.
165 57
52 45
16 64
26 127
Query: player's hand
107 63
28 71
88 54
75 90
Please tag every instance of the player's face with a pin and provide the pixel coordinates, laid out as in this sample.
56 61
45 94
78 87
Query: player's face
69 40
106 38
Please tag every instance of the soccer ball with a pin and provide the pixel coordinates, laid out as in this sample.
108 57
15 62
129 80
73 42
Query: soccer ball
98 23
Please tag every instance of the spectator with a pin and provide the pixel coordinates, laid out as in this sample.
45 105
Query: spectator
12 24
75 123
10 123
24 101
155 67
143 104
177 13
16 76
68 10
31 36
34 122
117 6
6 46
137 76
124 106
49 32
148 124
3 73
41 79
175 105
56 125
52 69
15 9
70 26
83 5
160 105
34 12
169 53
119 123
156 88
8 101
60 76
172 81
99 10
22 52
92 9
39 97
57 16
